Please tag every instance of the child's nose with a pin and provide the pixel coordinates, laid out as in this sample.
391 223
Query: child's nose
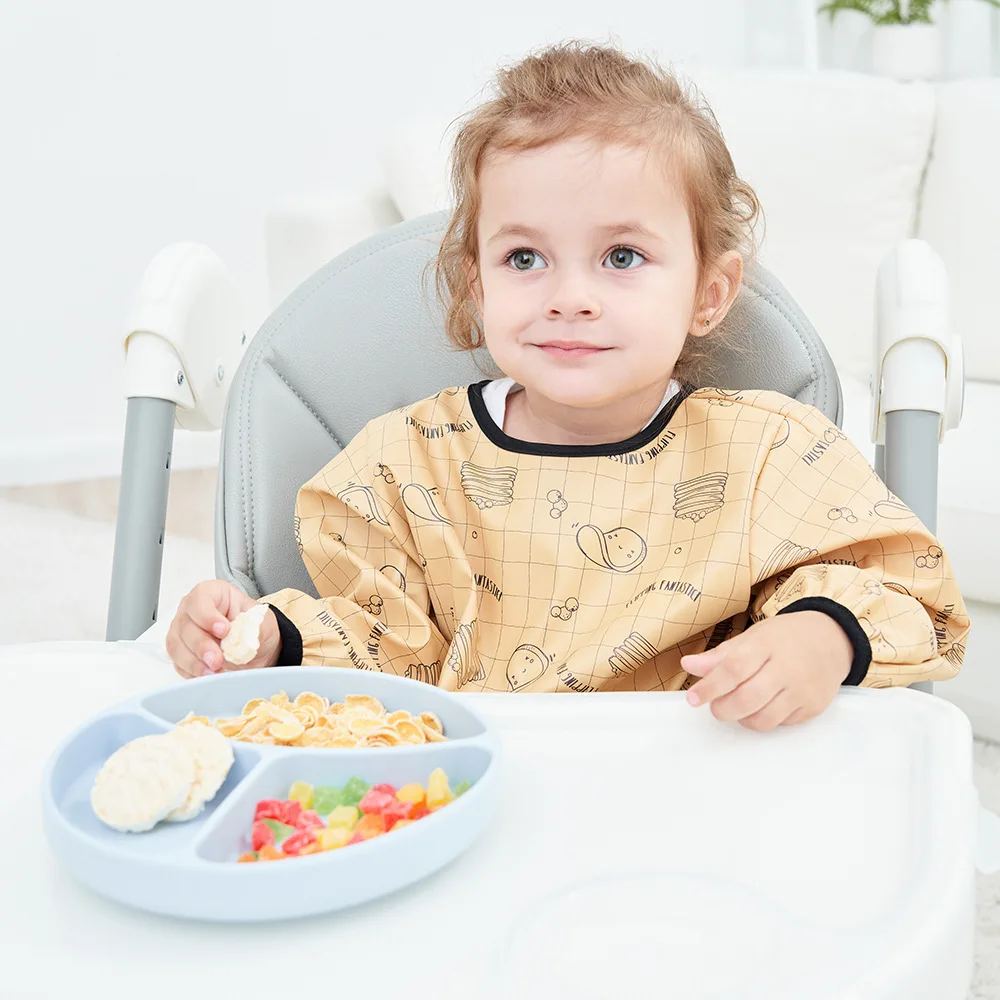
572 295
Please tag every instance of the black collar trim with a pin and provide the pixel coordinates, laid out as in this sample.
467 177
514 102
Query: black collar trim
644 437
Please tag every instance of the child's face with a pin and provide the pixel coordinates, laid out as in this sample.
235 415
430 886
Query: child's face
582 313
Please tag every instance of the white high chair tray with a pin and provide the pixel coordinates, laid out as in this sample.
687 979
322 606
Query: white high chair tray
641 847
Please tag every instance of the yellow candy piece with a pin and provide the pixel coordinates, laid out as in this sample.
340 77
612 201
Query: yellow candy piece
438 790
302 791
412 793
343 817
330 840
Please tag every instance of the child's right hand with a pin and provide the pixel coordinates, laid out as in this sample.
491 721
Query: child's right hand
202 621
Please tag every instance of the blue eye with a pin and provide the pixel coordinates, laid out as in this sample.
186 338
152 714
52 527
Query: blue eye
522 259
622 258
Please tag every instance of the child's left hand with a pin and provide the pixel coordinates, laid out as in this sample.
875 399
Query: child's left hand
780 671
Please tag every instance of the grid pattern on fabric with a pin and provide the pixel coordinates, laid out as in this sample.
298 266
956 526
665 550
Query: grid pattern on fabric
439 554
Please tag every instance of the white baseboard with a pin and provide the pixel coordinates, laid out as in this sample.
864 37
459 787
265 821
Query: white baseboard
67 458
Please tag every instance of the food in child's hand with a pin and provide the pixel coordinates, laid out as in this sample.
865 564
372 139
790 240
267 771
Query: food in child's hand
169 776
241 642
312 721
354 813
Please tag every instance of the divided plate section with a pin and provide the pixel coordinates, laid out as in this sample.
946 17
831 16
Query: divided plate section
228 836
224 695
84 754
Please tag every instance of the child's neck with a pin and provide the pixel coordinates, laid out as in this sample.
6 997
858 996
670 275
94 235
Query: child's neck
531 417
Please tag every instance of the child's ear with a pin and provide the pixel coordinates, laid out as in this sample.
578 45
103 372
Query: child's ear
719 294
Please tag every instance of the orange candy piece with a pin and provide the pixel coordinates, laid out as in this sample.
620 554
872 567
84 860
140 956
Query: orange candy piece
250 856
270 853
370 825
412 793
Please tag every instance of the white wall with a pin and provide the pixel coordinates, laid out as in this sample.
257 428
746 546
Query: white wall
127 126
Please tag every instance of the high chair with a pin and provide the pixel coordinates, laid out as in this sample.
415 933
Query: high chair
364 335
829 860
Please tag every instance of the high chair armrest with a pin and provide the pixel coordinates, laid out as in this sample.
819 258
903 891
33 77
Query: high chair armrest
918 381
918 359
185 334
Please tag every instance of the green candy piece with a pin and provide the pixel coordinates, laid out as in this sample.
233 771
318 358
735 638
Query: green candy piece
326 798
461 788
282 831
353 792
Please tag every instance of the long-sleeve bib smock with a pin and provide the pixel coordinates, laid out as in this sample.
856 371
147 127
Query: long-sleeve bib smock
444 550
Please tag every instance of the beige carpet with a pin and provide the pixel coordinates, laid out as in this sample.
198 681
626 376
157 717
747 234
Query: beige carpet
55 584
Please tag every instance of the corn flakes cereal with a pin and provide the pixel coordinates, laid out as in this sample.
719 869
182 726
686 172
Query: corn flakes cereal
312 721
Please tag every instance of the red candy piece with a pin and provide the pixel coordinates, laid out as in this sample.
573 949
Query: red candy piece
261 834
376 801
269 809
356 839
395 811
419 813
388 789
310 820
295 843
291 810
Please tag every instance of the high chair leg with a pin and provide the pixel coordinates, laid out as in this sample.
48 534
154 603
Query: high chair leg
142 517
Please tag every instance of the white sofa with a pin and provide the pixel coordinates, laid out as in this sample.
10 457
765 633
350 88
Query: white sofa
846 166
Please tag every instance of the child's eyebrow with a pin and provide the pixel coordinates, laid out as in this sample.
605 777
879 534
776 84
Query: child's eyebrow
611 230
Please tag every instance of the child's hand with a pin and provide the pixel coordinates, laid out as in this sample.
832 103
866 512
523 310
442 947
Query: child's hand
781 671
202 620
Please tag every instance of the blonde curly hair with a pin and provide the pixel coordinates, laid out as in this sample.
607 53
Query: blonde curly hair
581 90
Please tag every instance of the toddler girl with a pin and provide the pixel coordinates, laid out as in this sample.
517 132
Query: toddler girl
594 521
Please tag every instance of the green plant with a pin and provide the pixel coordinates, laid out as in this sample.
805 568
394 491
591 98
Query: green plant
889 11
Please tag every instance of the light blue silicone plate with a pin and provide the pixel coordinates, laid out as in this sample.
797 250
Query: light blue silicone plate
190 870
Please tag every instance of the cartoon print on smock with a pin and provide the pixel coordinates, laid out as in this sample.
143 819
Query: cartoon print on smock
527 664
845 513
567 610
559 504
420 501
461 656
363 500
796 589
634 651
426 672
488 487
782 436
394 576
928 559
697 498
882 649
785 555
728 397
620 549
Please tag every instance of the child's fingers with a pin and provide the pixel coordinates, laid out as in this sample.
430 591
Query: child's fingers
700 664
186 661
209 605
736 662
781 709
204 650
749 698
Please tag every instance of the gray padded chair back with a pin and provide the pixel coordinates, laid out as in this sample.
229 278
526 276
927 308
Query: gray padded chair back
365 335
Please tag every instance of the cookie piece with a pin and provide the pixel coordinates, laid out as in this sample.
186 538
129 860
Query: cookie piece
213 757
141 782
242 641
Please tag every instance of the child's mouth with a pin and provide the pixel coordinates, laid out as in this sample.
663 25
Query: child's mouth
558 349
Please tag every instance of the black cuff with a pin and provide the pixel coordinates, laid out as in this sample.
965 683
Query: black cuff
290 654
845 618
